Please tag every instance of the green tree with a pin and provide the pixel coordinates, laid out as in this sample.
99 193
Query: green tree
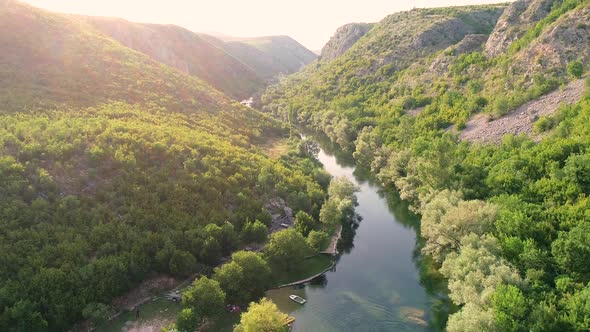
472 318
304 223
443 232
575 69
510 308
245 278
577 310
263 316
330 213
572 249
477 270
317 240
187 320
254 232
205 297
286 250
182 263
97 313
308 148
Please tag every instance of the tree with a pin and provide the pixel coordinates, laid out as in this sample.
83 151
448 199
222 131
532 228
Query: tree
205 297
97 313
472 318
341 187
575 69
366 145
477 270
577 310
286 250
257 274
330 213
254 232
210 252
317 240
187 320
263 316
182 263
443 226
308 148
572 249
245 278
510 308
304 223
228 238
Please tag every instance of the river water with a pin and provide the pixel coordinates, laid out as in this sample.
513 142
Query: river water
377 284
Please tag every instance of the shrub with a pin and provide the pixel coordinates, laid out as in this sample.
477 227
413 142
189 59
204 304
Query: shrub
575 69
543 124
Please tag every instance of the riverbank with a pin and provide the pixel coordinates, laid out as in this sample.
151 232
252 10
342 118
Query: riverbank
378 284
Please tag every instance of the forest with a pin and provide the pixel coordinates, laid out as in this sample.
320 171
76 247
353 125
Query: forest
115 168
98 199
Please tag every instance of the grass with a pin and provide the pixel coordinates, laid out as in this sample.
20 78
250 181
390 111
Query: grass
224 322
311 266
154 314
275 148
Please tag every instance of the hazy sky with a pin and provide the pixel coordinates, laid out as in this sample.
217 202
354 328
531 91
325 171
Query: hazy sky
311 22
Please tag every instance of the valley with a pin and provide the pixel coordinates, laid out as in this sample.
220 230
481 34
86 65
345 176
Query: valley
425 172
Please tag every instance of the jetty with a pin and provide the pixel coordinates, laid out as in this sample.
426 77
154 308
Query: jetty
306 280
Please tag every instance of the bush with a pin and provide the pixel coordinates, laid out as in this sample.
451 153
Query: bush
543 124
317 240
575 69
501 106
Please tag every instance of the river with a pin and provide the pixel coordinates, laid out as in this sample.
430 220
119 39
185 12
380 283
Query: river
377 284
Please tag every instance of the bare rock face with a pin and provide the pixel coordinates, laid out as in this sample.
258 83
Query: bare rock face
343 39
566 40
514 22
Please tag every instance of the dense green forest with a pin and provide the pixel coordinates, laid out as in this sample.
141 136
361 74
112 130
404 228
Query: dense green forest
115 168
506 225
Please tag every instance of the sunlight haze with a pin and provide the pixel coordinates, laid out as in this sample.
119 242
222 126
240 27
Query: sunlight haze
310 22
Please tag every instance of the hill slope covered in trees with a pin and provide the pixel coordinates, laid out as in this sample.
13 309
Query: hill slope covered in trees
191 53
115 167
506 224
270 56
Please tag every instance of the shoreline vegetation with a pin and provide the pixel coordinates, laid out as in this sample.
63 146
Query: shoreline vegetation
503 223
303 262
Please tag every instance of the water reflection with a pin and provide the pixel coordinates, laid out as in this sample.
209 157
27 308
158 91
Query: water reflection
382 283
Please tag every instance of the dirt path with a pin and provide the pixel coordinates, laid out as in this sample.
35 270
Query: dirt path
333 242
521 120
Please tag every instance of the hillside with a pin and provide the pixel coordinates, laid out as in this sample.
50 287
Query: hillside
238 67
53 59
116 168
189 52
343 39
505 224
270 56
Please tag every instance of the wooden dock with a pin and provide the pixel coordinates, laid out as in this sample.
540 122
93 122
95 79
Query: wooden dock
306 280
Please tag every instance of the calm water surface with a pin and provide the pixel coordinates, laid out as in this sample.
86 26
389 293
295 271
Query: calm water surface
377 284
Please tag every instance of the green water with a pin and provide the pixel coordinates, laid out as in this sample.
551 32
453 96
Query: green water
377 285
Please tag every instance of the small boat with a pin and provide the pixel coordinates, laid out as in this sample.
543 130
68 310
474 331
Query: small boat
289 321
297 299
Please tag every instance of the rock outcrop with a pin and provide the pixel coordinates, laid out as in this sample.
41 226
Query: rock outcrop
343 39
514 22
566 40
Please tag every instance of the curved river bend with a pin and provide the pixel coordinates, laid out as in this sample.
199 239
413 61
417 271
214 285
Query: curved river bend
376 285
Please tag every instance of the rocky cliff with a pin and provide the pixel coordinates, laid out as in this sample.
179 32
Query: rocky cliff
520 16
343 39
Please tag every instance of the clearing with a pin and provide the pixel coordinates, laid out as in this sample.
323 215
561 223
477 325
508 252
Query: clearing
521 120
